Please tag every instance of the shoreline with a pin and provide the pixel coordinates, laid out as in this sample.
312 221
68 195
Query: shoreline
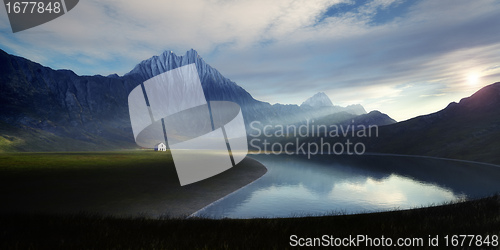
247 177
195 214
118 184
434 157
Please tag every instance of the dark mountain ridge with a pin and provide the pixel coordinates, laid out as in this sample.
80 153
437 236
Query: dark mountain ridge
467 130
57 105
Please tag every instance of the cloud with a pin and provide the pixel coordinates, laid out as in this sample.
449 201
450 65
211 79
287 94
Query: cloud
285 51
434 45
133 30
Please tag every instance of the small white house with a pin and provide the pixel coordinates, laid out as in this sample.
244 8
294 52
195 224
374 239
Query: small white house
161 147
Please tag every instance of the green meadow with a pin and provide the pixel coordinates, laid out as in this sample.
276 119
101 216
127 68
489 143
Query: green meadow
128 183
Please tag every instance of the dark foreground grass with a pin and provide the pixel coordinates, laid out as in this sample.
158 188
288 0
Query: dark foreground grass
121 183
86 231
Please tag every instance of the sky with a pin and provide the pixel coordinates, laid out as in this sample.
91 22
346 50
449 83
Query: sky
402 57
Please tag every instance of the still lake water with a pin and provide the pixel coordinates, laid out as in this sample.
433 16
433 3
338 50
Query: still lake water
296 186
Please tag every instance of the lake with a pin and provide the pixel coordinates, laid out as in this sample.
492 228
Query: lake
332 184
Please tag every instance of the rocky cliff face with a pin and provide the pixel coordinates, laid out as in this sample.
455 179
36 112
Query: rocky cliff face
63 104
215 86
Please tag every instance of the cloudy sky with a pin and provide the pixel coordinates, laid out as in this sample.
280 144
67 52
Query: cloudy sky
402 57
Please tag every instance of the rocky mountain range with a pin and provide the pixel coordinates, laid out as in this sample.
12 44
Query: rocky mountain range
45 109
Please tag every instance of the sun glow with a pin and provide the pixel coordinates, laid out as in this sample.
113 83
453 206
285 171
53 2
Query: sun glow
473 78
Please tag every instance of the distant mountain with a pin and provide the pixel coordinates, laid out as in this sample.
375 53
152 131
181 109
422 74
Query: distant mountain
215 85
356 109
373 118
45 109
319 108
467 130
320 99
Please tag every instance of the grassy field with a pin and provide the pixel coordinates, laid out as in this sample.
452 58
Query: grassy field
133 200
87 231
26 139
128 183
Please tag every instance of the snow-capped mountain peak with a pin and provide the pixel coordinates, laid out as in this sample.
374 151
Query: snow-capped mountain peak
320 99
